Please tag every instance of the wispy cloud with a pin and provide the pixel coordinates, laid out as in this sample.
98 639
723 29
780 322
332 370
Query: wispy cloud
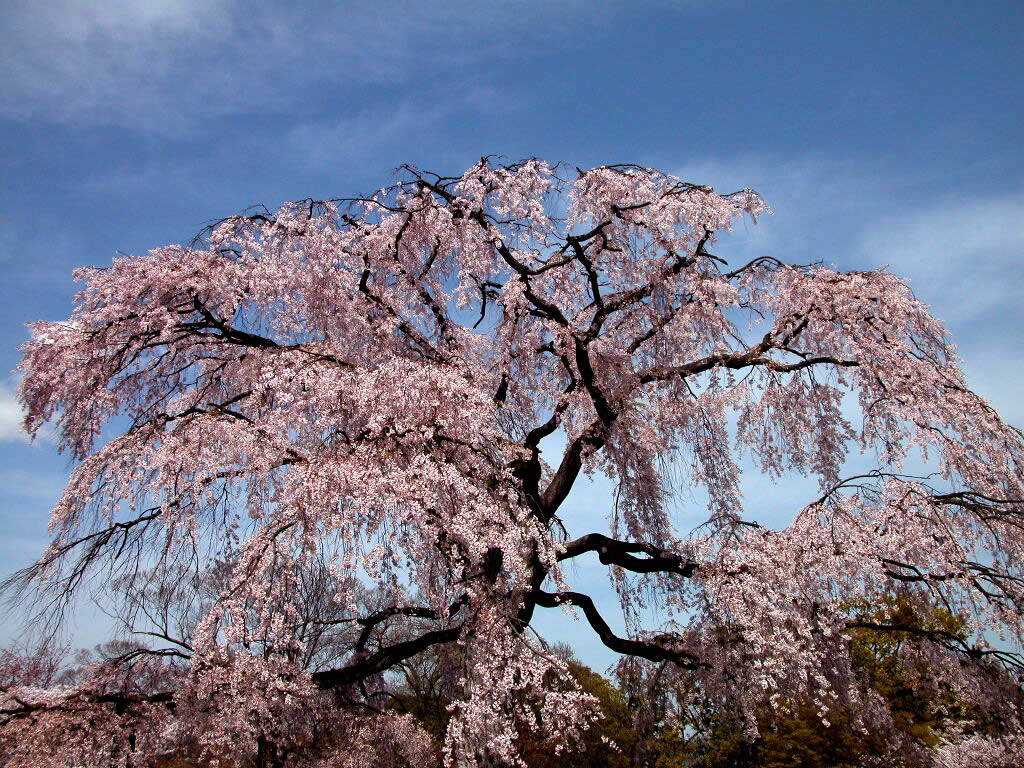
965 255
166 65
11 416
385 130
102 63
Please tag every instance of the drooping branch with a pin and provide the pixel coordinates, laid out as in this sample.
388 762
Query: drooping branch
594 437
948 640
646 650
621 300
544 307
423 345
117 536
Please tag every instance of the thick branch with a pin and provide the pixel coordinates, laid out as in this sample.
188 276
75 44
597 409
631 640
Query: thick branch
736 360
229 332
615 552
586 369
367 665
592 439
73 702
645 650
368 623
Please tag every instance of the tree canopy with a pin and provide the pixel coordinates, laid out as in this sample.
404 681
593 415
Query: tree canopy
352 424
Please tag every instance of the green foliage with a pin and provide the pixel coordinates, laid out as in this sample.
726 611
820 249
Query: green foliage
609 743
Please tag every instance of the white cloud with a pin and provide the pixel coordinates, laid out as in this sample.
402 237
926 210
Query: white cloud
69 61
11 416
964 255
166 66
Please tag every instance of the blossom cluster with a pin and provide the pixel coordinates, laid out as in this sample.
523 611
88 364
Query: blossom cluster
402 390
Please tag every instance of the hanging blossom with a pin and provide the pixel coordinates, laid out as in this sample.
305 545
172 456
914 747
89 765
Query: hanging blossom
352 425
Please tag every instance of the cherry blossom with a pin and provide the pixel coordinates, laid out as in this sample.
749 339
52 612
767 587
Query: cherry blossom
399 392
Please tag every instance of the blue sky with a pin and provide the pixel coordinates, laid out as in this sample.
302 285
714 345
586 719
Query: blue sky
881 133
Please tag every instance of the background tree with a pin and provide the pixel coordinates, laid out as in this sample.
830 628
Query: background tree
420 376
608 743
923 711
423 687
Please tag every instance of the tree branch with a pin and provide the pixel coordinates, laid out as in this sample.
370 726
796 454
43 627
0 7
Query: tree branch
646 650
369 622
614 552
371 664
737 360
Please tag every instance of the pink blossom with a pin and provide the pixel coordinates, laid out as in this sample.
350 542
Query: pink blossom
364 391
